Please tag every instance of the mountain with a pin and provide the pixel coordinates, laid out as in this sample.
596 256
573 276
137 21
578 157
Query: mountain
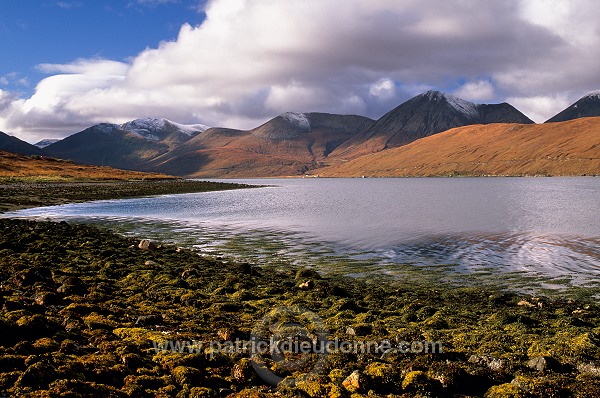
424 115
129 145
561 148
587 106
45 142
288 144
12 144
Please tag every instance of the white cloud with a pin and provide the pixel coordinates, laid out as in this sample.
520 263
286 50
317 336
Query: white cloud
68 4
383 89
13 78
253 59
540 108
480 90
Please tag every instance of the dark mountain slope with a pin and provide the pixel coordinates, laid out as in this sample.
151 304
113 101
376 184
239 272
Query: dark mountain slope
424 115
587 106
12 144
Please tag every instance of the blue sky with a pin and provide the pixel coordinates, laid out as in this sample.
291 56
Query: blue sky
36 32
69 64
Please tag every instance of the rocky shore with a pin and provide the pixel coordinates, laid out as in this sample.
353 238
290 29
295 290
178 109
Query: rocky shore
86 312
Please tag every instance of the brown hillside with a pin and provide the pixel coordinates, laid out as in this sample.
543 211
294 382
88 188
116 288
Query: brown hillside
556 149
19 167
280 147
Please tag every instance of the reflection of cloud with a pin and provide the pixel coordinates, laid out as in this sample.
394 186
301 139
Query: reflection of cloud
250 60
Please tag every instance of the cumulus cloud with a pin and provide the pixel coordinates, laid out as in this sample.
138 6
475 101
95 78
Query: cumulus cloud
540 108
480 90
383 89
253 59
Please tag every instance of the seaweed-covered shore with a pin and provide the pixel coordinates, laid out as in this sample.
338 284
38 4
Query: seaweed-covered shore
86 312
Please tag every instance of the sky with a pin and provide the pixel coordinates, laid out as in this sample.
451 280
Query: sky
66 65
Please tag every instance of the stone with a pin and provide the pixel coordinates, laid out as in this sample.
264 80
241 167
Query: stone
72 285
525 303
307 273
37 376
591 368
147 320
354 381
243 371
30 276
147 244
543 363
488 361
189 272
309 284
46 298
132 361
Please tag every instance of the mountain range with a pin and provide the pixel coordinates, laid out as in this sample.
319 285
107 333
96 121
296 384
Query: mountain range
570 148
289 144
128 146
314 143
424 115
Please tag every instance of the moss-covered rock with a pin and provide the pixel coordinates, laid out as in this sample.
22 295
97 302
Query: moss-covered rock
186 375
383 378
506 390
418 382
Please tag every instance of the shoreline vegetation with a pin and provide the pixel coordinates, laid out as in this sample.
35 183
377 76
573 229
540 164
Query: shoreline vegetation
86 312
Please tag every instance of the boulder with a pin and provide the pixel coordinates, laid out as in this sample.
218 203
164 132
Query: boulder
147 244
544 363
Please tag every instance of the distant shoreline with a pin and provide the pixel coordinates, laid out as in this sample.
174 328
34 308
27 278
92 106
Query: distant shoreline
16 196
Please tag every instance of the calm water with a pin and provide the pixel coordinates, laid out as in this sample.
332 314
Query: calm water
535 233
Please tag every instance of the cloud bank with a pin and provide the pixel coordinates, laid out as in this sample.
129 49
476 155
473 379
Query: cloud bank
253 59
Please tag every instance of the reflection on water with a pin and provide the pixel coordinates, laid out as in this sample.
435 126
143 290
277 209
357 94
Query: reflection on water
545 231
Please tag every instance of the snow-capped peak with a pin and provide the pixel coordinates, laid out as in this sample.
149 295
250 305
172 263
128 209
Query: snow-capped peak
46 142
463 106
147 127
299 119
189 128
593 94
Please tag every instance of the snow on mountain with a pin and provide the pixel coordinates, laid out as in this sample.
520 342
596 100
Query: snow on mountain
189 128
147 127
45 142
593 94
465 107
298 119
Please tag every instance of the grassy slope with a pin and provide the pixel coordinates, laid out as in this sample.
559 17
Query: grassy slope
566 148
15 167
